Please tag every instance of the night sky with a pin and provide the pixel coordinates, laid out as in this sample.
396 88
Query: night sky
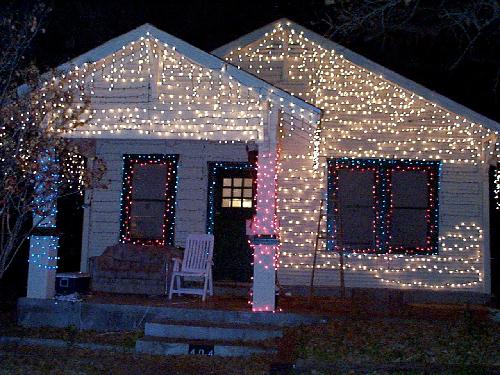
75 26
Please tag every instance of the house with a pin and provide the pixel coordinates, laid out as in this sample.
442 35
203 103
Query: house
401 171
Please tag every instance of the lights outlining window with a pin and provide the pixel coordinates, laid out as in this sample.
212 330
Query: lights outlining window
237 192
148 199
383 205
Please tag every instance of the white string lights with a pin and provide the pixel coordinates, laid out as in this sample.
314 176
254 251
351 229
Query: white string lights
148 88
367 116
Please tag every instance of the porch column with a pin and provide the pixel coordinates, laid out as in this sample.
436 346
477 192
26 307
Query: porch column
265 242
44 241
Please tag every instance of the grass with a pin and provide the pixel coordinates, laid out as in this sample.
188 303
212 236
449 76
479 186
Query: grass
465 343
31 360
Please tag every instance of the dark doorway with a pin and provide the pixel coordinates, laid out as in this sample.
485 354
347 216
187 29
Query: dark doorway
69 223
231 203
494 240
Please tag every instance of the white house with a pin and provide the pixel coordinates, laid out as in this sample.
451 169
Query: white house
402 171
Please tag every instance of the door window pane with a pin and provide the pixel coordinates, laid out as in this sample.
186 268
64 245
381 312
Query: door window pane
247 203
240 192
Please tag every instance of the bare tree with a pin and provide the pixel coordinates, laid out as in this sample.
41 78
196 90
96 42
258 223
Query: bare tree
470 27
32 119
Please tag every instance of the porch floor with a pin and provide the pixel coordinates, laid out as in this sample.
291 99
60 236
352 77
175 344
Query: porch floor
333 307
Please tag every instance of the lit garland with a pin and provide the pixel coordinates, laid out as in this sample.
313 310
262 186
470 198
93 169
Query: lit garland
43 248
214 168
47 181
170 192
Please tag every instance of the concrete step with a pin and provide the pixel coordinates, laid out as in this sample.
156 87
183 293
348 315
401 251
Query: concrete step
211 331
164 346
33 312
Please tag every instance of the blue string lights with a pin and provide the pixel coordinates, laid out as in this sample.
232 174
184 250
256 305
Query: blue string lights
46 191
43 248
383 202
43 252
168 228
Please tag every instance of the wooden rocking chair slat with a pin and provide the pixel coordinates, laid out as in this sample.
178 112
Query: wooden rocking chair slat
197 262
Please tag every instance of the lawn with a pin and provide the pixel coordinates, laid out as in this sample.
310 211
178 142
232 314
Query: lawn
36 360
468 344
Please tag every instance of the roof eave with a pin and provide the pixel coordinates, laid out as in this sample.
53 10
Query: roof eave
193 53
366 63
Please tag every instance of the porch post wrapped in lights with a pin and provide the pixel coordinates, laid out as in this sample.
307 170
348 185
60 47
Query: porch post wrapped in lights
265 243
44 241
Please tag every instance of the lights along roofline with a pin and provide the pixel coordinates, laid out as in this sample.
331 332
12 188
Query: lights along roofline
194 54
366 63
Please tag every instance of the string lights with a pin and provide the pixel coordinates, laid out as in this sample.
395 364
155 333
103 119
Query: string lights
265 228
383 197
367 117
148 88
131 161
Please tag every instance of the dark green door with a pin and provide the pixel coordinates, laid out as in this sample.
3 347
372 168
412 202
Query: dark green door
234 204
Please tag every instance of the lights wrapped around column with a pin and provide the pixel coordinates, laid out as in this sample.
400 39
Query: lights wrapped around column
265 229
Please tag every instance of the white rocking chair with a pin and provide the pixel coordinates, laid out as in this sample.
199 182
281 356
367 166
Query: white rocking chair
197 262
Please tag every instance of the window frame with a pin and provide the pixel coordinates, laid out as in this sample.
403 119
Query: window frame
168 229
383 201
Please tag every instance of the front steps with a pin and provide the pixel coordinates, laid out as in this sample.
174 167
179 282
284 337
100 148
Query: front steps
211 331
208 338
170 330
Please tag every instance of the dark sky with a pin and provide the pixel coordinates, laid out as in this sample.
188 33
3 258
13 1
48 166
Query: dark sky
75 26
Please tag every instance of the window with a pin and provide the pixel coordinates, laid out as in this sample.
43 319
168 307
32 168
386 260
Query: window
147 205
237 192
383 206
148 199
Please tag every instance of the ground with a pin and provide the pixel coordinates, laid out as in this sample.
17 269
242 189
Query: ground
416 340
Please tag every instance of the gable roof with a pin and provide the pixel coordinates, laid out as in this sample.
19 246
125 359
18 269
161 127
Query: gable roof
363 62
191 52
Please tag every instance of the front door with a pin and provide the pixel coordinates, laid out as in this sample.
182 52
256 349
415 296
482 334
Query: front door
233 204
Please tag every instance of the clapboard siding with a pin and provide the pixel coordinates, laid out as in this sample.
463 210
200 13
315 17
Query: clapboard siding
149 86
191 200
358 122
